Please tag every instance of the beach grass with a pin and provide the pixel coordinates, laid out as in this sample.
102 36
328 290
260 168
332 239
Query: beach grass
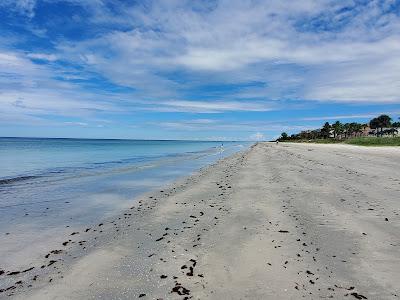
374 141
315 141
358 141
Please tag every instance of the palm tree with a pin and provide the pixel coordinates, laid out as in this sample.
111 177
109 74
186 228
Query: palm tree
337 128
325 131
358 128
354 128
346 129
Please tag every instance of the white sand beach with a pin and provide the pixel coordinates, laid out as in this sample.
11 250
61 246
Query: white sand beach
285 221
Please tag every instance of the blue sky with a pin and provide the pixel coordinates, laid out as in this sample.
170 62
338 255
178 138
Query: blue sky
228 69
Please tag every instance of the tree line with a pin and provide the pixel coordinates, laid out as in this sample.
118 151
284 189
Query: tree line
378 126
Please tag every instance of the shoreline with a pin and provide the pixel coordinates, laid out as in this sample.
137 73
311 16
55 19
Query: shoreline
262 223
38 213
38 274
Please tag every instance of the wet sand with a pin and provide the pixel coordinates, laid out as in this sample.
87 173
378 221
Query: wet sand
285 221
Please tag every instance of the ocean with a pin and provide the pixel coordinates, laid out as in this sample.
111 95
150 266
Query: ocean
47 185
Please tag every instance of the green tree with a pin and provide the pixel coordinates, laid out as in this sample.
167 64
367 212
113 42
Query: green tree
337 129
395 126
326 130
358 128
346 129
374 124
284 136
353 129
384 121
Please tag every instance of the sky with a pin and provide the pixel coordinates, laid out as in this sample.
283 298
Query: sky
206 70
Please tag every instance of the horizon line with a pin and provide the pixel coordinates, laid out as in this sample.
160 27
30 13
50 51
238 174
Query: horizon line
123 139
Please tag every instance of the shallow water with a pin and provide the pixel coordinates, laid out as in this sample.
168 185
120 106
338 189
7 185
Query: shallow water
50 186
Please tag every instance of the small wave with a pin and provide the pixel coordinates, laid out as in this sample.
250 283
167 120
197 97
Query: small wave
16 179
111 167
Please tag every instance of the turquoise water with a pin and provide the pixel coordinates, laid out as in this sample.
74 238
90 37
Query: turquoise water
23 156
48 185
33 169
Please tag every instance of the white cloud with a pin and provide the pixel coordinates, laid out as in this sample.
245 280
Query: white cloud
29 91
240 41
42 56
232 126
353 116
376 81
213 106
84 124
257 136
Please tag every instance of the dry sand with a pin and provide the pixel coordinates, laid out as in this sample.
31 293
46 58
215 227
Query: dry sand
285 221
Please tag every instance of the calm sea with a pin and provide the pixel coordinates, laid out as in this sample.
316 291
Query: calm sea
49 184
